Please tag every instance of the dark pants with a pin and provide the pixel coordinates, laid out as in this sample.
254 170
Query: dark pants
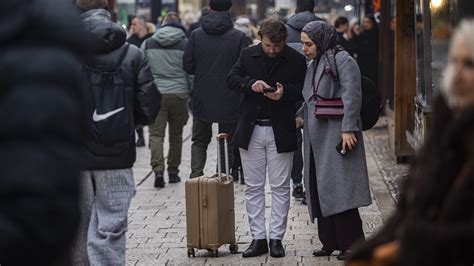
297 169
338 231
202 135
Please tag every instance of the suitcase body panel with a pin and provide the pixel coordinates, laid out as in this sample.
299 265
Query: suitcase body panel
210 217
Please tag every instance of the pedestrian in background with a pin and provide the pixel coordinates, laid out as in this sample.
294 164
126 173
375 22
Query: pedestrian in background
342 28
368 49
336 179
434 219
266 133
303 15
140 31
41 131
164 50
211 52
119 94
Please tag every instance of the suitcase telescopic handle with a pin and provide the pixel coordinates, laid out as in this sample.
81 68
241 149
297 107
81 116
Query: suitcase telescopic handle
226 155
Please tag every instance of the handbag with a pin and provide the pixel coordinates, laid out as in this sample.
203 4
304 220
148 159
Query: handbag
326 107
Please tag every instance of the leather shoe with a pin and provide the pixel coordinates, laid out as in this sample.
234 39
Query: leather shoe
322 253
257 247
276 248
344 255
159 179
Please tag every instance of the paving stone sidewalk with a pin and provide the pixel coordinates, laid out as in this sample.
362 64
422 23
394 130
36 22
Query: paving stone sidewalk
157 218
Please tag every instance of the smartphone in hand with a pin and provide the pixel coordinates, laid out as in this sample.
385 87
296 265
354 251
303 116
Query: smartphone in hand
267 90
340 150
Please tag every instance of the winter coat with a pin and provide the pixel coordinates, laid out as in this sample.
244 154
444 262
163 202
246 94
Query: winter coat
368 54
434 218
143 97
342 181
164 52
137 41
296 23
289 71
211 52
41 131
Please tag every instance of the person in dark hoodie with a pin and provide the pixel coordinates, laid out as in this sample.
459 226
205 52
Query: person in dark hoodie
303 15
164 51
368 49
211 52
41 131
107 184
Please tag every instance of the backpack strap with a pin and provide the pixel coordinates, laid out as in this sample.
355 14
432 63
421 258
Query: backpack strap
122 56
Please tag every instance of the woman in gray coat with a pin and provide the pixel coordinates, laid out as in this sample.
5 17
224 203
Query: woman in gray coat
336 181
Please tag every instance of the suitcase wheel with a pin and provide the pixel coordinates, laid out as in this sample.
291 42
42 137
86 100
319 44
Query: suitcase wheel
234 248
191 252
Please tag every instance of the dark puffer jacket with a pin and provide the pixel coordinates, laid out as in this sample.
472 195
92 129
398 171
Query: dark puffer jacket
210 54
41 130
108 44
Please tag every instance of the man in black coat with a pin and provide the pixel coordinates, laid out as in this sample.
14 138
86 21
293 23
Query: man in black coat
266 132
107 184
211 52
41 130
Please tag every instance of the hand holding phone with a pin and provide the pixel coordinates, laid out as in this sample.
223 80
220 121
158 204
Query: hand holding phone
268 90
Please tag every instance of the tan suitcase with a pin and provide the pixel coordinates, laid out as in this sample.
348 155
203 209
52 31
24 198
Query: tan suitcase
210 218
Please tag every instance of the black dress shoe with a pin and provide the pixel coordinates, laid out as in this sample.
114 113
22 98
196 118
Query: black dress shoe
276 248
174 178
242 179
257 247
298 192
322 253
140 142
234 172
344 255
159 179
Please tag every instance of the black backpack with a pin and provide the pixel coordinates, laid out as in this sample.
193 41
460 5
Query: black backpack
371 103
110 122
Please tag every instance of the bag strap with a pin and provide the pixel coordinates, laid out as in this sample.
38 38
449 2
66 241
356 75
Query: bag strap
123 55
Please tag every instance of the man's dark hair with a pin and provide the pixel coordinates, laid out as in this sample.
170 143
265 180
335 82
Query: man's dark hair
419 18
340 21
274 29
304 5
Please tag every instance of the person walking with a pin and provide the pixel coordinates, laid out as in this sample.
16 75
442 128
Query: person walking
211 52
433 220
164 51
139 33
336 179
41 131
119 94
368 49
266 132
303 15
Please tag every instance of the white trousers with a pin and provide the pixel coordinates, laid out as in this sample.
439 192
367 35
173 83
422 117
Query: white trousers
260 156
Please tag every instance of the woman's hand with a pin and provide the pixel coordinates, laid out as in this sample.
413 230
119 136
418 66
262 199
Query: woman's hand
349 141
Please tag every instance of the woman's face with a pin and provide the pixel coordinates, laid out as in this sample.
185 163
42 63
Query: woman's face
309 48
368 24
461 87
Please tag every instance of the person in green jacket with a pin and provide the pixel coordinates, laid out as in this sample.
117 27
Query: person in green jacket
164 51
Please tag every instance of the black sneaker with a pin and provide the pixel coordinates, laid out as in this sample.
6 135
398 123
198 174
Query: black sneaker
159 180
234 172
174 178
298 192
140 142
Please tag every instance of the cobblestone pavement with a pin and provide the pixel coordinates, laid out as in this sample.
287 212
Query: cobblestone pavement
157 218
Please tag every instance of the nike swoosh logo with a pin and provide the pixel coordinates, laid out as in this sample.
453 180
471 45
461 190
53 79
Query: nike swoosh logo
96 117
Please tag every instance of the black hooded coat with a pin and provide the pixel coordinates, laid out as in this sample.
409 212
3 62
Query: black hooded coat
108 44
210 54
